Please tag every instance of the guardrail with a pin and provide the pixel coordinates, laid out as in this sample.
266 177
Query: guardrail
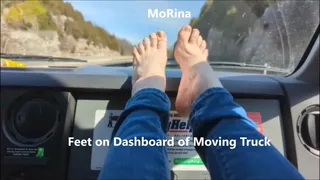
253 70
240 67
226 66
251 67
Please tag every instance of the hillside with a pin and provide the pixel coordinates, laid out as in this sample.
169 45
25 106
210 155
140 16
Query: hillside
54 28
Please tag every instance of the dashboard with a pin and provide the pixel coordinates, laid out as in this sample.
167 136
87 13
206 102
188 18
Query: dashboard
42 108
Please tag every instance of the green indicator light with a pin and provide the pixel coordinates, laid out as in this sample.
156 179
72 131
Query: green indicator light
40 152
187 161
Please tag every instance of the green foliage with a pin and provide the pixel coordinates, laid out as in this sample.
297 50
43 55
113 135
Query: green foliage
62 8
22 11
28 25
206 7
45 22
121 50
77 16
79 28
73 28
193 21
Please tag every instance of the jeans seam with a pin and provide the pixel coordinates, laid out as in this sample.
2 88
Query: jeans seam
227 174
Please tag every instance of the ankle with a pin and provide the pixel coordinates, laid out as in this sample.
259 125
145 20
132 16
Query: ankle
203 78
157 82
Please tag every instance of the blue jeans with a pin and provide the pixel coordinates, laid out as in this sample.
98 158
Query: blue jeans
214 114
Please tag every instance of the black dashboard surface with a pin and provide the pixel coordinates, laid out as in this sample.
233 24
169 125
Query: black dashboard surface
115 78
69 91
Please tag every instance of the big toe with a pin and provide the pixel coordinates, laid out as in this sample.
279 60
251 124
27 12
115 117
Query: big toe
184 33
162 40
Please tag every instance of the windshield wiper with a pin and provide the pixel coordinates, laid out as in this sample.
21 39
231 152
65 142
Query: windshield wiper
20 57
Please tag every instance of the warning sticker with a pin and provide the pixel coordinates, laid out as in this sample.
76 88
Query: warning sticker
103 127
179 157
182 157
256 117
25 152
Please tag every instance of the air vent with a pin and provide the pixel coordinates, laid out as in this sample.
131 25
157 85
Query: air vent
308 129
32 121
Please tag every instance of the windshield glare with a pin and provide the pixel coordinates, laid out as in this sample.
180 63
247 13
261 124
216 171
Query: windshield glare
243 36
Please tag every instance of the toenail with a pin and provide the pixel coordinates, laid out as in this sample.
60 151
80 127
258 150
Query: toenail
187 27
161 33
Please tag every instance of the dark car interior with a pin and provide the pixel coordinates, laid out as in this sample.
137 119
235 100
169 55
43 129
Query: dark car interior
42 108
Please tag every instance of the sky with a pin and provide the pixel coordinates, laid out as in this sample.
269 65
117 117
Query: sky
129 19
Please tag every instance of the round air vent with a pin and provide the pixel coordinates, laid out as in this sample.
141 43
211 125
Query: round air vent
308 129
35 119
32 121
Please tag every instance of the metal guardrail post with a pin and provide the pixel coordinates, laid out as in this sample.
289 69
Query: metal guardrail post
265 71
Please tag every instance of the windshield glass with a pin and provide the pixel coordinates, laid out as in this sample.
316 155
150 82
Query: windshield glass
260 36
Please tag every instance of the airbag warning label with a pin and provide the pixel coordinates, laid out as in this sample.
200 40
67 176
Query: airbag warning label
25 152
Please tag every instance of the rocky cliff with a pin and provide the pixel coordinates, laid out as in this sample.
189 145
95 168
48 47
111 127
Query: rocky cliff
54 28
258 32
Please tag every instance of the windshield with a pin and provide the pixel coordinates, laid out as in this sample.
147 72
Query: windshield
261 36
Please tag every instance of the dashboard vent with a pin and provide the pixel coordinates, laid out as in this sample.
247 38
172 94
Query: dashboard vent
32 121
308 129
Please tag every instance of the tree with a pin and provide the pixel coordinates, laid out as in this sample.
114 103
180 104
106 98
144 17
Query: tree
193 21
73 28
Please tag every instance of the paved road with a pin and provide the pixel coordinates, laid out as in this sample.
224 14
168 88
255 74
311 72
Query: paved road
90 61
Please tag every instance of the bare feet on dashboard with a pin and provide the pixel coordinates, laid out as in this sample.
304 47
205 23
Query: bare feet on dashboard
197 75
149 63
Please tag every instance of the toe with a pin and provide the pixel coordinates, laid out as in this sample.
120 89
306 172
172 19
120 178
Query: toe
135 62
146 43
187 28
184 33
203 45
206 53
194 36
154 41
162 40
199 41
141 48
135 53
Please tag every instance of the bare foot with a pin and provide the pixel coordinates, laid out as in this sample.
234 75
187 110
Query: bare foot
197 75
149 63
